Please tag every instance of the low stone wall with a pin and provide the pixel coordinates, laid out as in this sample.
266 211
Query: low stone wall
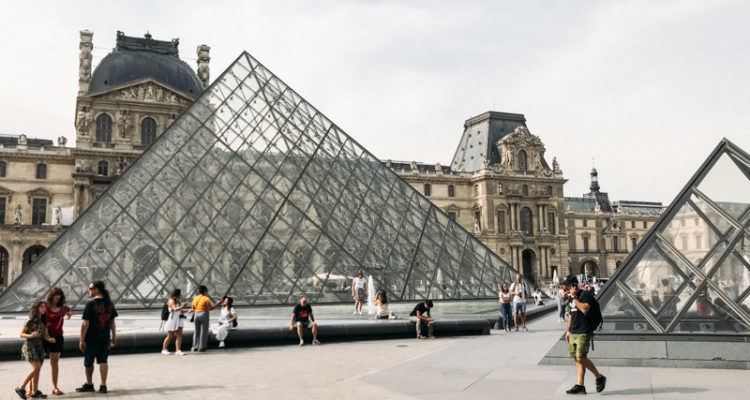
147 342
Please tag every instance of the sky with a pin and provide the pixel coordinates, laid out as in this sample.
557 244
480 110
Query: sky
641 90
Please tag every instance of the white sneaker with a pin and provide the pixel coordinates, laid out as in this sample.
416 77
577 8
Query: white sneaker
165 352
221 344
301 343
316 342
355 312
179 353
360 313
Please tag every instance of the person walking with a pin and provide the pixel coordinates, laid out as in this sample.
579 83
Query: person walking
519 290
98 335
562 304
175 323
57 312
202 305
359 290
505 299
34 330
578 335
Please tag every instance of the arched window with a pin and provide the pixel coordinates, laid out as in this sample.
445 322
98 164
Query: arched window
41 171
148 131
102 168
522 160
525 190
526 225
3 167
427 189
103 128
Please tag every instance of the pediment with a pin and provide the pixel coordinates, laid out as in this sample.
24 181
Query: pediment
147 91
38 192
5 191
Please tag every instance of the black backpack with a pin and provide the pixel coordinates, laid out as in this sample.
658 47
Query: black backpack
596 320
165 312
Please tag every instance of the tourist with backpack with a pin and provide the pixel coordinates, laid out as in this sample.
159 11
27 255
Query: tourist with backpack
175 321
585 317
227 321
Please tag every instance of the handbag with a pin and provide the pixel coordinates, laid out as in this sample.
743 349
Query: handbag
192 317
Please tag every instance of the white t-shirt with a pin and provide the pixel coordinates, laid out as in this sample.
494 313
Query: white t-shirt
359 283
521 288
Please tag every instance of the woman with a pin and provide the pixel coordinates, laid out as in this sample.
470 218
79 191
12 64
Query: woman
537 297
505 300
202 305
562 304
175 323
227 321
34 330
57 312
359 288
381 304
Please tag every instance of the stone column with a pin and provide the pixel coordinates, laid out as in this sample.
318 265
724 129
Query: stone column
85 46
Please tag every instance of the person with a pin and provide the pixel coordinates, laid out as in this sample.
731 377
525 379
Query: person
175 323
202 305
562 304
34 330
98 335
667 295
505 299
421 315
519 290
57 312
359 288
227 321
579 332
538 297
381 305
302 317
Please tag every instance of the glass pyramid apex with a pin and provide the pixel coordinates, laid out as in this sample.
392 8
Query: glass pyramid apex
691 273
256 194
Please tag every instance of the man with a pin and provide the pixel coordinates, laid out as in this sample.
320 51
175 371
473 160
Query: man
519 290
421 315
96 341
302 317
578 335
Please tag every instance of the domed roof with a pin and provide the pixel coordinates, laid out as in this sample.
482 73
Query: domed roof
136 58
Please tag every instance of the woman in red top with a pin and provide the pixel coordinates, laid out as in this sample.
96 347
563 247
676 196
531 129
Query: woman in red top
57 310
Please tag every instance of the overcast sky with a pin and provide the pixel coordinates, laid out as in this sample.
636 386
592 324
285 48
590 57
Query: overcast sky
646 89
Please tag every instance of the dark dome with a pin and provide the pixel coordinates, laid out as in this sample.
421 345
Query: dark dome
123 65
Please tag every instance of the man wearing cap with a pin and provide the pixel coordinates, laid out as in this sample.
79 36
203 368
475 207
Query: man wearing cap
578 335
421 315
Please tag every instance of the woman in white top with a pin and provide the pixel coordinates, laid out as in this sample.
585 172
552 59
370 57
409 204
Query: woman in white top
359 288
538 297
505 298
227 321
381 305
175 322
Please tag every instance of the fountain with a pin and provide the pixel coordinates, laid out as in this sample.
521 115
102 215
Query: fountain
370 296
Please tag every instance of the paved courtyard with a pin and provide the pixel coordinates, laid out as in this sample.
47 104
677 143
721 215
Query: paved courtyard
486 367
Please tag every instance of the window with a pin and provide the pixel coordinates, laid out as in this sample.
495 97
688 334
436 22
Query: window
148 131
103 128
696 222
644 224
526 223
585 223
586 244
522 160
684 242
452 216
499 188
39 211
41 171
698 241
3 204
632 224
3 166
551 222
427 189
615 244
633 242
525 190
682 222
549 190
501 222
476 190
477 221
451 191
102 168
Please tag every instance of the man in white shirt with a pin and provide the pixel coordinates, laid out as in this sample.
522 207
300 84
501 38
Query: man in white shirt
519 290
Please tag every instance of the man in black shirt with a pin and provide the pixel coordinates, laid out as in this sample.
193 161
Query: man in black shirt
98 322
302 317
578 335
421 315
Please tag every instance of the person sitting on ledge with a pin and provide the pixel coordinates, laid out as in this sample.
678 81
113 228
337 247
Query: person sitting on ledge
421 315
381 305
227 321
302 317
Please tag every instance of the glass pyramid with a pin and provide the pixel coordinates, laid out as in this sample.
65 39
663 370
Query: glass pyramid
257 195
691 272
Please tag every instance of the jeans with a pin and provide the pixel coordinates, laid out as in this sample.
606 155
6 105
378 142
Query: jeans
200 336
505 314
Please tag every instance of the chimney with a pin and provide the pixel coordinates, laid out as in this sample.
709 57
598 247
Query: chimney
85 47
203 59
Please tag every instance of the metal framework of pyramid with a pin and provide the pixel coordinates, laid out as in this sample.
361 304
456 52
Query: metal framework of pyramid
257 195
691 272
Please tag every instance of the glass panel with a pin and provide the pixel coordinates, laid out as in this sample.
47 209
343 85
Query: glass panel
727 186
654 280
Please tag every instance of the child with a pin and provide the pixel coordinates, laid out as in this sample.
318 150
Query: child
33 331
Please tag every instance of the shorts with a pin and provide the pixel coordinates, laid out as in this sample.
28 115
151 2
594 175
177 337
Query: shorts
56 347
519 307
578 346
100 352
308 324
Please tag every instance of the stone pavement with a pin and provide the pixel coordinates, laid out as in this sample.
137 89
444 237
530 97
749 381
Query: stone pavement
484 367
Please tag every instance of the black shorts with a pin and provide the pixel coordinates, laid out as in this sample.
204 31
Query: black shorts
56 347
100 352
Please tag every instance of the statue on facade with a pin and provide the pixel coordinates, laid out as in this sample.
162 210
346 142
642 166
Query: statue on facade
62 141
477 227
485 162
57 216
18 215
555 165
83 121
126 123
203 60
508 158
149 93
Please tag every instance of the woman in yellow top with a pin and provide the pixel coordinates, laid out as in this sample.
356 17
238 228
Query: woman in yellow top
202 305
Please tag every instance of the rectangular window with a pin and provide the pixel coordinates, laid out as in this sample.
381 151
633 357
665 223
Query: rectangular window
586 244
3 204
499 188
644 224
633 241
41 171
427 190
632 224
452 216
698 241
615 244
551 222
684 242
501 222
39 211
585 223
451 191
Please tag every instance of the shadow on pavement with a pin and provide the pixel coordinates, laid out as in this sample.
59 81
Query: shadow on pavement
649 390
165 390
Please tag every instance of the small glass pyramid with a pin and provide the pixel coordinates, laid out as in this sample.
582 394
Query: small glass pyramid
691 272
257 195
